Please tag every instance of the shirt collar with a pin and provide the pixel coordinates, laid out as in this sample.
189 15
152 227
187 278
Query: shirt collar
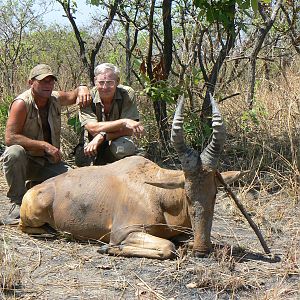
117 96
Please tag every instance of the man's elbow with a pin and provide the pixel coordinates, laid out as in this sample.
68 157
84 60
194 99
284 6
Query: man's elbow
9 141
92 129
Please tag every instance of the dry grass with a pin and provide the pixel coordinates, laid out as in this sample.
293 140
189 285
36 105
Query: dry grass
10 273
269 137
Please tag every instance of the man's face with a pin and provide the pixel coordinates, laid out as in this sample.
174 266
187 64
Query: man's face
42 88
106 84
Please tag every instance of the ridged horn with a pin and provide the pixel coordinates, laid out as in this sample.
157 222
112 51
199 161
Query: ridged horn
189 157
211 154
177 129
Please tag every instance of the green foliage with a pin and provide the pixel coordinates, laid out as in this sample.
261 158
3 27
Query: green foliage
196 132
3 116
224 11
217 11
4 112
161 90
4 107
254 5
75 123
95 2
69 4
251 119
196 76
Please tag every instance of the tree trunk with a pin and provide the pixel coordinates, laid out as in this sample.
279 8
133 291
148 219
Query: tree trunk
89 66
160 105
213 77
262 32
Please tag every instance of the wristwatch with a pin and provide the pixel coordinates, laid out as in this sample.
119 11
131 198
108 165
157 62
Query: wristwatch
103 133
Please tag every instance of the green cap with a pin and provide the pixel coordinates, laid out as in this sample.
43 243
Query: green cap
40 72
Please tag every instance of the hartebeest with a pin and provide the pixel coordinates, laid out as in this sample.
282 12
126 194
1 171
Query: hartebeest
134 205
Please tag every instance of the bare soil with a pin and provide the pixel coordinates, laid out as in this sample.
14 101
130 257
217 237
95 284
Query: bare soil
61 268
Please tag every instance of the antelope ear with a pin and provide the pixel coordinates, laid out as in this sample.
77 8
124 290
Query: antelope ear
169 183
231 176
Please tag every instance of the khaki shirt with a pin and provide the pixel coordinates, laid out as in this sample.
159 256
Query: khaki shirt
129 110
33 125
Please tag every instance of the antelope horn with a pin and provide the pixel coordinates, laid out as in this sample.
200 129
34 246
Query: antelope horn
177 129
189 157
211 154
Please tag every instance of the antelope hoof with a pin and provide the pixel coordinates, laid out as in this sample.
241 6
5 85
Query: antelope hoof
201 253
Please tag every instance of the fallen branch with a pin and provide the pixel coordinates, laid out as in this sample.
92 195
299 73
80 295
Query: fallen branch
244 212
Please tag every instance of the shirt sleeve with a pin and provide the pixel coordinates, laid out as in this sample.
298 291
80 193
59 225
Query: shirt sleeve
129 107
86 115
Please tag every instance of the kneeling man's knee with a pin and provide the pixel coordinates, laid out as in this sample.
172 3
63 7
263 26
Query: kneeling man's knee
13 154
122 147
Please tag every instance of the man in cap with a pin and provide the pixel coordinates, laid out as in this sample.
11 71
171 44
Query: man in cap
110 121
32 135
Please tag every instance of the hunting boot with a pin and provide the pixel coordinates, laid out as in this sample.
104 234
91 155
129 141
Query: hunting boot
13 217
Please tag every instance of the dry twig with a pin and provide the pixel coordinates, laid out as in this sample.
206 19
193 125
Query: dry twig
245 214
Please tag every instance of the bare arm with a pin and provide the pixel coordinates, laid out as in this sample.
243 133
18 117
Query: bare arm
110 126
80 96
13 133
115 129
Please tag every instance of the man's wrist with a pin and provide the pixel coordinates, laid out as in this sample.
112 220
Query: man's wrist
82 86
104 135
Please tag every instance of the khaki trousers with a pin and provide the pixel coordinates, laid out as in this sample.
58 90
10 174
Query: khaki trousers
107 153
18 167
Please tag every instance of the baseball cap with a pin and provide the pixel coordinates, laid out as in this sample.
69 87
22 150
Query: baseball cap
40 72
